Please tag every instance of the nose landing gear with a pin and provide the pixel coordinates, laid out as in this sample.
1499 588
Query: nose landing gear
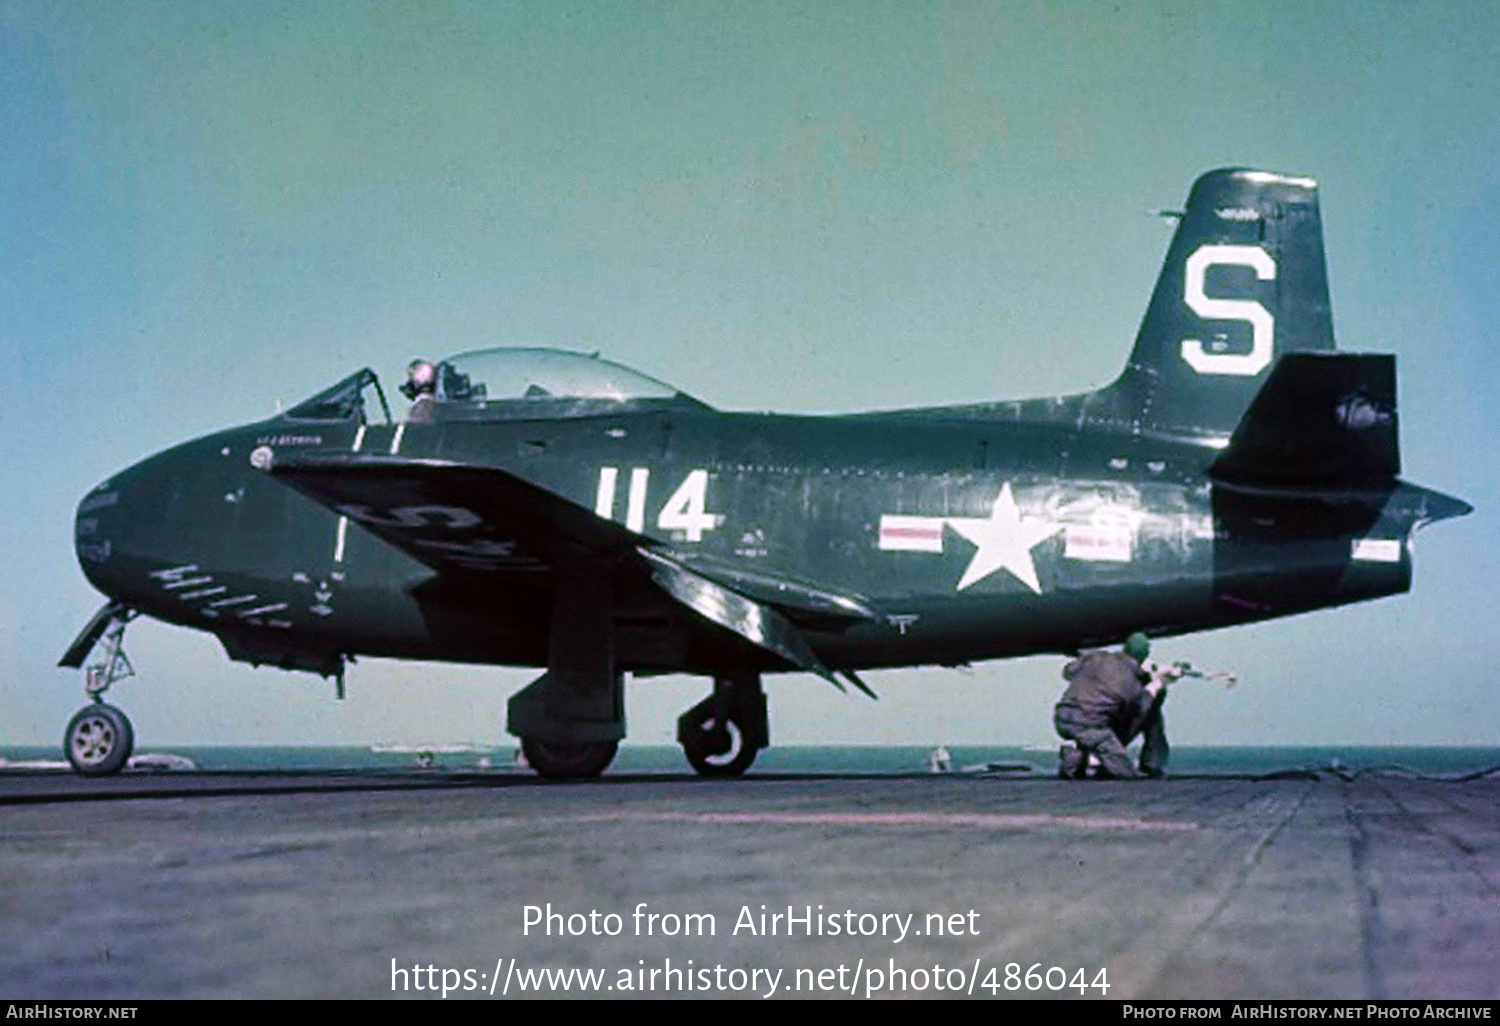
99 740
722 734
99 737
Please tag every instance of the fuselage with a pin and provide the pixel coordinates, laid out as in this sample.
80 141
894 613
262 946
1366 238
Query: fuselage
972 538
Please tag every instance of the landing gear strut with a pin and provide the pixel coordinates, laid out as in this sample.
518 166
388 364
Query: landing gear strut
99 738
722 734
570 719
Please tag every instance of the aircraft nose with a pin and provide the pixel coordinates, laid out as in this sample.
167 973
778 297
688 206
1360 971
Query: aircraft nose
120 529
94 523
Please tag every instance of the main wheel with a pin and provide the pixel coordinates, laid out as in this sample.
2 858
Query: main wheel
560 760
99 740
716 750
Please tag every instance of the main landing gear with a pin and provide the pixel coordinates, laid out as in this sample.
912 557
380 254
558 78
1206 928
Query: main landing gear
572 733
99 738
571 719
561 760
722 734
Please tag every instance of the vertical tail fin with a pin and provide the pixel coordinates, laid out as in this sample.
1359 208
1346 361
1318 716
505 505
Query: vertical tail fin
1244 281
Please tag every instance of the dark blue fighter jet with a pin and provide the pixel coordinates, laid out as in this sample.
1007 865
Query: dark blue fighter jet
556 510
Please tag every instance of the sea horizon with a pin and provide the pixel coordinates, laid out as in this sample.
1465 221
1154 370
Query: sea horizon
1436 760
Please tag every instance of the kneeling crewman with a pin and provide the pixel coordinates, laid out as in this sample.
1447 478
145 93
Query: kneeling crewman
1111 698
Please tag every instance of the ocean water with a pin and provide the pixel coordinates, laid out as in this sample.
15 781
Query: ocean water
1186 761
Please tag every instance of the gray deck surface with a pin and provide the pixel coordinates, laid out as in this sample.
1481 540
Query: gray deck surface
274 885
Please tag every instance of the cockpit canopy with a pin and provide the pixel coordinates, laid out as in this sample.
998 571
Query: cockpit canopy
502 382
500 374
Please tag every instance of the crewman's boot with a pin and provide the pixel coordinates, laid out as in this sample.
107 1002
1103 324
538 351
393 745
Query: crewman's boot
1070 761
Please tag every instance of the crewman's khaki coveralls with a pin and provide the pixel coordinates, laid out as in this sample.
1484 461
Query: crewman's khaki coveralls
1105 707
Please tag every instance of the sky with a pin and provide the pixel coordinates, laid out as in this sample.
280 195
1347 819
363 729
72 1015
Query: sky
209 209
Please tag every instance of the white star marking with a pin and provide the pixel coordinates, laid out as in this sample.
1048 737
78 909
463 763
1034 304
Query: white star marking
1005 540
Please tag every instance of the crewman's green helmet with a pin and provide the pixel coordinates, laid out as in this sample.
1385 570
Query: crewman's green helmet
1138 646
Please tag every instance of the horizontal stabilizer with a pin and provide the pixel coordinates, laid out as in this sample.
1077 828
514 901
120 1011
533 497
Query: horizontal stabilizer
1321 419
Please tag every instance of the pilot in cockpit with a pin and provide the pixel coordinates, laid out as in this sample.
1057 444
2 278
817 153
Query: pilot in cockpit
421 389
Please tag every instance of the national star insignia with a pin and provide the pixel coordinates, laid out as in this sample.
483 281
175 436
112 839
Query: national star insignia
1004 541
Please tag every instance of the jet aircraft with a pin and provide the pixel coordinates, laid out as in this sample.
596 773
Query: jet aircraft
559 511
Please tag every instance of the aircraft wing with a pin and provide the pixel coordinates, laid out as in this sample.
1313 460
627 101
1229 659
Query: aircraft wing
803 603
453 516
459 518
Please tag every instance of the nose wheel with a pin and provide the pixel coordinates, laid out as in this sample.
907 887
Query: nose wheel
99 740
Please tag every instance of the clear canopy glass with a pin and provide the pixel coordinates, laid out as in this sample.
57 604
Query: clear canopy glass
502 374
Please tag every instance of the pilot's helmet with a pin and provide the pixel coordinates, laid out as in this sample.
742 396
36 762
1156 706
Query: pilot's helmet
421 379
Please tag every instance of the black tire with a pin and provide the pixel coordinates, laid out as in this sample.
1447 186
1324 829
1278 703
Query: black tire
99 740
558 760
732 763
